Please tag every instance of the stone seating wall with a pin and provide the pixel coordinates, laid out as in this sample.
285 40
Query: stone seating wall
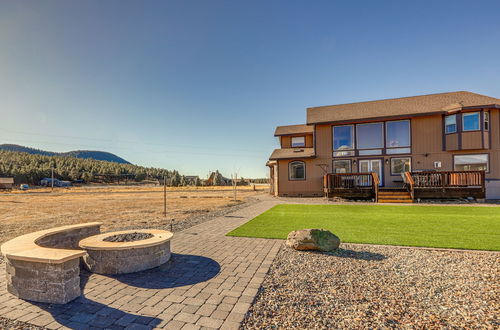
44 266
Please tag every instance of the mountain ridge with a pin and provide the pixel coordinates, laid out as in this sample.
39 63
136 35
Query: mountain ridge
83 154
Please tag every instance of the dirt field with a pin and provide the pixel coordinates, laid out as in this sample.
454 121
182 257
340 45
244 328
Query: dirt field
115 207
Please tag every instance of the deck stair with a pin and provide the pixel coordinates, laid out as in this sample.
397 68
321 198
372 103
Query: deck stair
391 195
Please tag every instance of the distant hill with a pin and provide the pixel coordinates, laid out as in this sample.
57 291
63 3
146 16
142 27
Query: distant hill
97 155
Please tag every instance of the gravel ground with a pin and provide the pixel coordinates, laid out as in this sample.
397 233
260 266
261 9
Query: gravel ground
197 219
365 286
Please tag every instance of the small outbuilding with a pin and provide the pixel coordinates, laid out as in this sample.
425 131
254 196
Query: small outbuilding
6 183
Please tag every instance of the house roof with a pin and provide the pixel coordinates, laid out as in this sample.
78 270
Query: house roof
292 153
399 107
293 129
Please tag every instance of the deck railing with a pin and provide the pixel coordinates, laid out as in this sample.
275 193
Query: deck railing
445 179
368 181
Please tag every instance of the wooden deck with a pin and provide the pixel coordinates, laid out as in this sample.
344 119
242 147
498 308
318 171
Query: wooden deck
416 185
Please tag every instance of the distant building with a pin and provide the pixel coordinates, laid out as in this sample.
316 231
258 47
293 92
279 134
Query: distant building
6 183
47 182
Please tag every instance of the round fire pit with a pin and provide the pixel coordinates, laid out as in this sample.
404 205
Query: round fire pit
126 251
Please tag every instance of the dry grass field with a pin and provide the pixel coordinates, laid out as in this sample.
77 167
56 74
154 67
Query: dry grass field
115 206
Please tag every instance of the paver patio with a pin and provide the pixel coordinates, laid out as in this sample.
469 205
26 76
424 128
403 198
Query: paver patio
209 283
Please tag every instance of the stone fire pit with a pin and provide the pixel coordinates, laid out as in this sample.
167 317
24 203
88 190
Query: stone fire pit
126 251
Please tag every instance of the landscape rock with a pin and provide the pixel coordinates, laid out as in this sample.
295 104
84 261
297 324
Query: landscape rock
313 239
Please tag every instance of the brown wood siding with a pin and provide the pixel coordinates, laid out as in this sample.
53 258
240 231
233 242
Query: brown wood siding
472 140
286 141
427 148
451 142
426 134
312 186
486 139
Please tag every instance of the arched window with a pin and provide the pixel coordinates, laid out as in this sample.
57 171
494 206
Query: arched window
297 170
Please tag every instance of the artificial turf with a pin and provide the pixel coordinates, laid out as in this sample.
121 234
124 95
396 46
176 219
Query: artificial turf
457 227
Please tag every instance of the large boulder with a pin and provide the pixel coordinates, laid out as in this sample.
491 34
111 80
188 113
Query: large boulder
313 239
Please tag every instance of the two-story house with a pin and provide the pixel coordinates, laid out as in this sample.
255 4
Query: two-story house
442 135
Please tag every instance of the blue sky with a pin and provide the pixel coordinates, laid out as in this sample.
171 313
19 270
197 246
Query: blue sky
201 85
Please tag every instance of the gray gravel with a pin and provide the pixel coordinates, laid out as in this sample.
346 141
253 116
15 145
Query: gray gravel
200 218
364 286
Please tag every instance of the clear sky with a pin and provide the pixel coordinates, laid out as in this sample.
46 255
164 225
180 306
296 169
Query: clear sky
201 85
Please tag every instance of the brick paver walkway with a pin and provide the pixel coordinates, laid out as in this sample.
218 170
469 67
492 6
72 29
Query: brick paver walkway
210 283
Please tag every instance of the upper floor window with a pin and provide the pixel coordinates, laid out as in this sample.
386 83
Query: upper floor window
297 170
298 141
450 124
343 137
470 121
397 134
370 136
486 121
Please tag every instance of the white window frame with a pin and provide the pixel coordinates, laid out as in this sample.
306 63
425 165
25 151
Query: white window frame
302 144
486 120
467 114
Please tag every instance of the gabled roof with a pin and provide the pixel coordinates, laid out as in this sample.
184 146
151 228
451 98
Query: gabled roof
292 153
400 107
293 129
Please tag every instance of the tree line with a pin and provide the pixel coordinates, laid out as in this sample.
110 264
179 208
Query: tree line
31 168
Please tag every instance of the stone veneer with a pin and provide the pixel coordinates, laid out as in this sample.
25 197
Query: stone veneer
44 282
68 239
105 257
44 266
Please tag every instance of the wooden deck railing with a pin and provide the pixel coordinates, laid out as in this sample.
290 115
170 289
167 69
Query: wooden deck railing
445 179
367 181
410 183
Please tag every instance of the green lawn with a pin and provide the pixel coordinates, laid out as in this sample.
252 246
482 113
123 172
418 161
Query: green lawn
459 227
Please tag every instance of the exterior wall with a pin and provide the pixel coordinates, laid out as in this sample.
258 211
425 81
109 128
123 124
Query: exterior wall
426 148
286 141
472 140
311 186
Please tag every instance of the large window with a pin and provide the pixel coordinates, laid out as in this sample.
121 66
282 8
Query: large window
477 162
297 170
370 136
398 134
397 137
400 165
450 124
470 121
343 137
342 166
298 141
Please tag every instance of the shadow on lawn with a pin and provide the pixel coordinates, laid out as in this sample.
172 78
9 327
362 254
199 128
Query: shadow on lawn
359 255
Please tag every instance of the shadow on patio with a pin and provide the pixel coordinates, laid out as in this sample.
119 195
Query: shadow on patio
181 270
84 313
